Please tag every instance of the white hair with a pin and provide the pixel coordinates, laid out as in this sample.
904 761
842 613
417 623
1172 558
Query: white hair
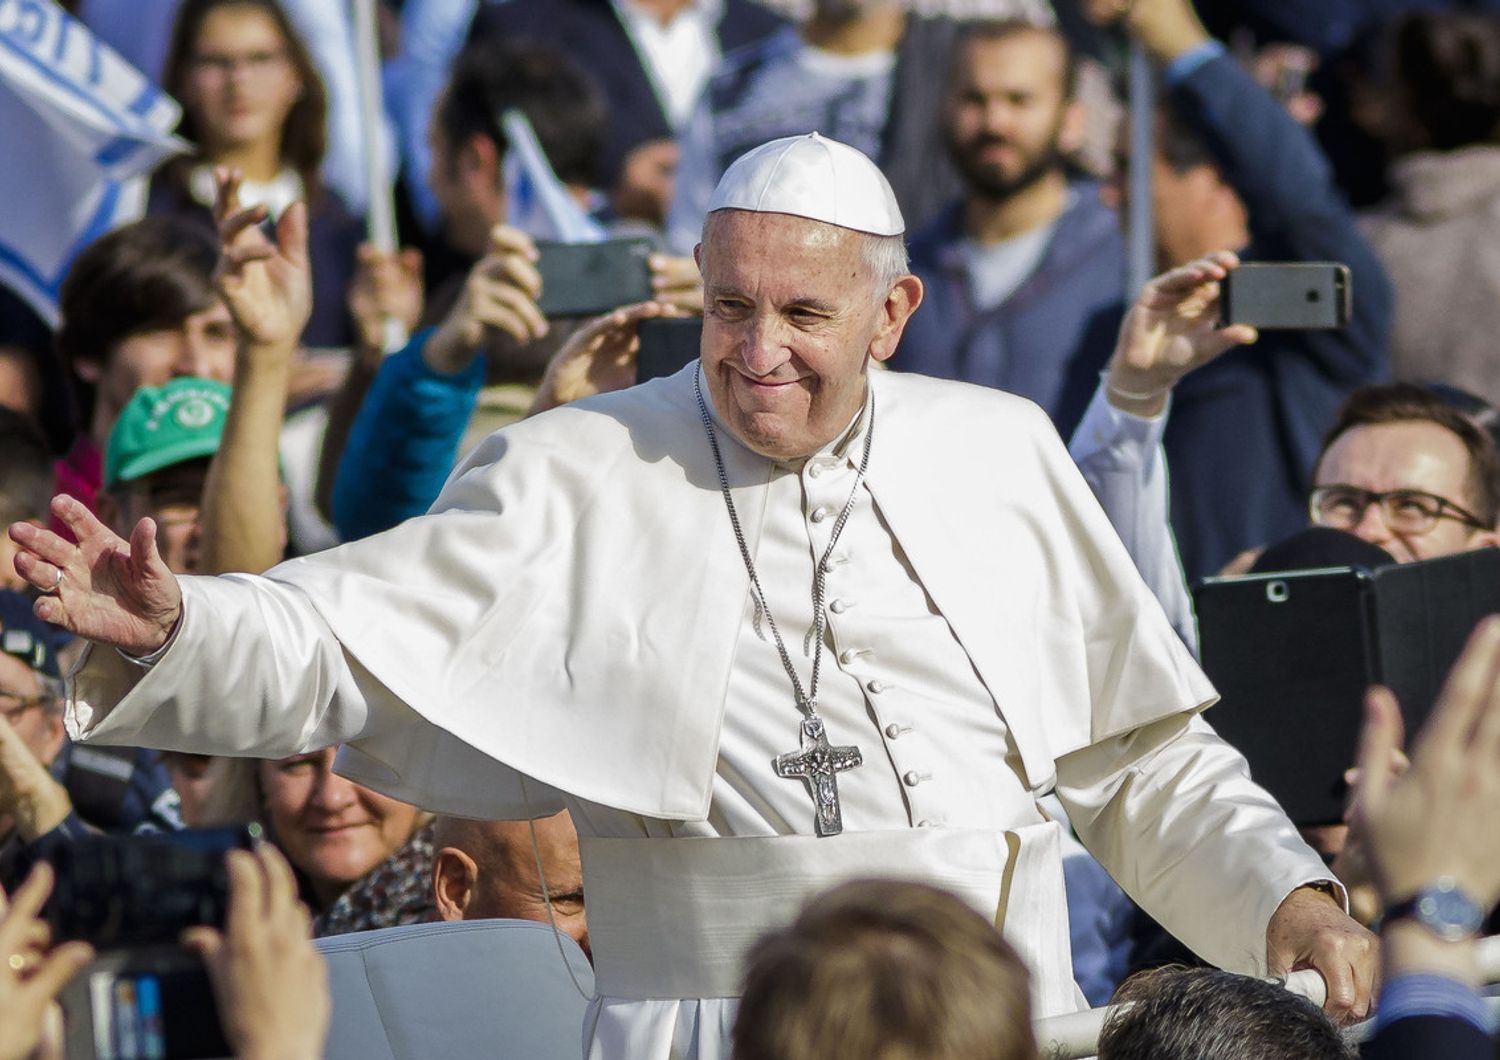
885 257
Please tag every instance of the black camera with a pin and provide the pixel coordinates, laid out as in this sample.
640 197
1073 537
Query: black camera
131 897
119 891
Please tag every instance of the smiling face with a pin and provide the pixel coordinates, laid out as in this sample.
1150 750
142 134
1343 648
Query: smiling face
792 313
331 829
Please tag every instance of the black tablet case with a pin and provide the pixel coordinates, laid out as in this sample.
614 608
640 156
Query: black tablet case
1292 655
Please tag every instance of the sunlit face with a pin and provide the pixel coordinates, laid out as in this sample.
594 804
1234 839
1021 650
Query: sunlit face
172 497
240 83
791 316
513 889
1007 114
20 382
331 829
1412 455
201 345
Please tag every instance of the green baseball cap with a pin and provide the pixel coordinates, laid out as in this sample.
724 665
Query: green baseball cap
164 425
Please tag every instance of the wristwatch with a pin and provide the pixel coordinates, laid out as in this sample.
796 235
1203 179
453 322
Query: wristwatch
1442 908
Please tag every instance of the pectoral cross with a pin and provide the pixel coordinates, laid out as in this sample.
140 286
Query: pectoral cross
818 764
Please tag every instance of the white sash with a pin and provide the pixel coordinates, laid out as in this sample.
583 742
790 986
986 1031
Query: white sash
673 918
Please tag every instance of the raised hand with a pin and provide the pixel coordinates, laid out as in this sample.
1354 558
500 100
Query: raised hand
1171 329
387 284
103 588
1421 823
599 357
269 979
500 293
33 973
267 286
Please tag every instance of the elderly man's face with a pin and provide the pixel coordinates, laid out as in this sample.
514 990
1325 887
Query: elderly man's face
1411 455
791 315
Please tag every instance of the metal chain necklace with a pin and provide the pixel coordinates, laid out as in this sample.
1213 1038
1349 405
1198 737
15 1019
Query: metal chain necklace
816 762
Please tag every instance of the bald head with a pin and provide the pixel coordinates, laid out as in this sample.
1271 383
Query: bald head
488 869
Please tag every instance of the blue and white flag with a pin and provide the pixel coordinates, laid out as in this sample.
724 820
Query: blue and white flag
536 201
82 128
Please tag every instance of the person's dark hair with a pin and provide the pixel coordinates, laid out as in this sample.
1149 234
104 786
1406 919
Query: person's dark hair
146 276
304 134
1180 145
1178 1013
885 970
561 101
1004 28
1485 416
1446 69
25 469
1408 402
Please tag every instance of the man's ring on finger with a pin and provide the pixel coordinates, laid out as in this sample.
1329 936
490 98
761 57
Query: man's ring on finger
56 585
18 962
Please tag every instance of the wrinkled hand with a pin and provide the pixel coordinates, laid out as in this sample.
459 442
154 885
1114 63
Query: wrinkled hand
1171 329
268 978
1311 930
387 285
267 286
598 357
500 293
1168 28
28 993
677 282
112 592
1419 825
28 793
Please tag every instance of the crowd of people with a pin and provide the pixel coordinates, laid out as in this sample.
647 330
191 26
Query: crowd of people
854 666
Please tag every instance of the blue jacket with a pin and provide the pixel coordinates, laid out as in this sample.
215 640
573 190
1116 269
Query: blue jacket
1050 339
404 441
1246 429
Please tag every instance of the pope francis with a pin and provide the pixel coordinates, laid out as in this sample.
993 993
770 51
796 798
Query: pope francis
776 621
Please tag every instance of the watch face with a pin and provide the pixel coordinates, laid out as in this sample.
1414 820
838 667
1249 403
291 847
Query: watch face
1450 913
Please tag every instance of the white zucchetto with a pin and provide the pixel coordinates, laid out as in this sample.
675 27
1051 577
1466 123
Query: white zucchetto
814 177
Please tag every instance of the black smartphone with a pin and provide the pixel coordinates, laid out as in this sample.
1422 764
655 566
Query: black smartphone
154 1003
668 344
1312 295
586 279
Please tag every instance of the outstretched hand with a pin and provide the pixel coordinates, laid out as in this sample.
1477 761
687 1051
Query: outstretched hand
267 286
103 589
1171 329
599 357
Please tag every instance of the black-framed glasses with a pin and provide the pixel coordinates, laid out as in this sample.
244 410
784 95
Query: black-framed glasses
13 706
1409 512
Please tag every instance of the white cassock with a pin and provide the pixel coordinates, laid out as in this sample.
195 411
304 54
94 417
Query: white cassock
573 627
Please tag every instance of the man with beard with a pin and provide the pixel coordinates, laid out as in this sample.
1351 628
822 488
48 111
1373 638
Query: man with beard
1024 270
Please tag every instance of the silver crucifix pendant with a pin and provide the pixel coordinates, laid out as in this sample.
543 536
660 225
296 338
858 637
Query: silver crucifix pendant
818 764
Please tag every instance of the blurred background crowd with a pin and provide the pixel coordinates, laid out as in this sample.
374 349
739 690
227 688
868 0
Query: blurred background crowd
1365 132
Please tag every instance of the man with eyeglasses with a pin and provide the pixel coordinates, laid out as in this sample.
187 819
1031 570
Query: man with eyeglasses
51 790
1402 469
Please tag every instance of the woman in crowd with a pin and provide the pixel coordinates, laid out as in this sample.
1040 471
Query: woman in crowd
362 860
252 100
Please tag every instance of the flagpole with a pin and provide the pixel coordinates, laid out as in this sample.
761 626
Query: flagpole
380 215
1141 235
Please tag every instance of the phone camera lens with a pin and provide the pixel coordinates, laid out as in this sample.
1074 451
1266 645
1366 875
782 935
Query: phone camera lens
1314 295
